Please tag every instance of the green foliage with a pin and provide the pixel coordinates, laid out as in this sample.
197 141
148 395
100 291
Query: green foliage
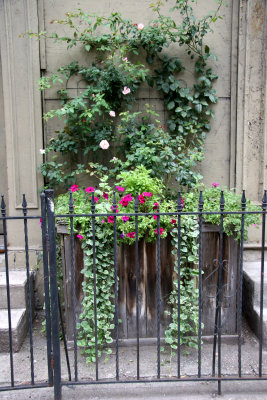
232 202
115 47
149 191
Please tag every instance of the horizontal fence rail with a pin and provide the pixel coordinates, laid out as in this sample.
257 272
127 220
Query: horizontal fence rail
133 314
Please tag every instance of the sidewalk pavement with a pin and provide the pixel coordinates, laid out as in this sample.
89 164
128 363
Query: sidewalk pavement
231 390
148 391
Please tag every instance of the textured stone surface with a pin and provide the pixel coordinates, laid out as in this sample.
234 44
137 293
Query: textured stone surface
19 324
251 297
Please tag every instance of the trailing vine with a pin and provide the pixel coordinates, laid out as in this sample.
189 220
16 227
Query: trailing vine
150 198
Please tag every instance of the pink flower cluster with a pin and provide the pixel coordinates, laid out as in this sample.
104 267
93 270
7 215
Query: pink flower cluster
131 234
147 194
120 188
89 189
74 188
141 199
161 230
126 200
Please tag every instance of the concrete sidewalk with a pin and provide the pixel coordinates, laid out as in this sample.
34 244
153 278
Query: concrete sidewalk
148 391
148 369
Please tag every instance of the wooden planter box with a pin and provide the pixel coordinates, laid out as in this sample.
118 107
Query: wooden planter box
147 283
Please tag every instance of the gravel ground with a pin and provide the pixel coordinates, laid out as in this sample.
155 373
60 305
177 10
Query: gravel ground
127 371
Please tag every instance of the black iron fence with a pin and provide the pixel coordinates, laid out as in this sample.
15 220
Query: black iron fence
53 311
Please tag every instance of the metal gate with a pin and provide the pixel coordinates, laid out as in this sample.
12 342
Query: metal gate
53 311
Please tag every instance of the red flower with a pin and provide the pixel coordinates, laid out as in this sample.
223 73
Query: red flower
105 195
173 221
111 220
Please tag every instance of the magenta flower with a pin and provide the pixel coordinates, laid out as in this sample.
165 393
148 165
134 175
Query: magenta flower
111 220
131 234
89 189
147 194
155 206
141 199
161 230
74 188
96 199
103 221
215 184
125 200
41 221
79 237
155 217
125 218
120 188
105 195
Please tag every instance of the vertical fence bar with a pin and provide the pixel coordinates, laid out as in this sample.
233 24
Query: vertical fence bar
46 289
200 208
240 295
3 213
215 332
64 337
116 287
158 293
137 288
29 300
264 207
179 209
220 276
95 286
54 292
73 279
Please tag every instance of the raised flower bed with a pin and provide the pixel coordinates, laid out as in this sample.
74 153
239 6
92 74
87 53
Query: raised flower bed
148 201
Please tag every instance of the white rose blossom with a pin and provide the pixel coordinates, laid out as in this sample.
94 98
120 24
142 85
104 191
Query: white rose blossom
104 144
126 90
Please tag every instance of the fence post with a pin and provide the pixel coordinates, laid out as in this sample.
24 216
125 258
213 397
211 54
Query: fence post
54 293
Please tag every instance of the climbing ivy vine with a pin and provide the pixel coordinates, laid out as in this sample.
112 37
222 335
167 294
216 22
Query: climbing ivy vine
122 56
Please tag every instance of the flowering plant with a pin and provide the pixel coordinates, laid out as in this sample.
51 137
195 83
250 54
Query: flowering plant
122 56
134 190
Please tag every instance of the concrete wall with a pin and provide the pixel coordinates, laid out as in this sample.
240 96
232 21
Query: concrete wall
22 120
3 175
